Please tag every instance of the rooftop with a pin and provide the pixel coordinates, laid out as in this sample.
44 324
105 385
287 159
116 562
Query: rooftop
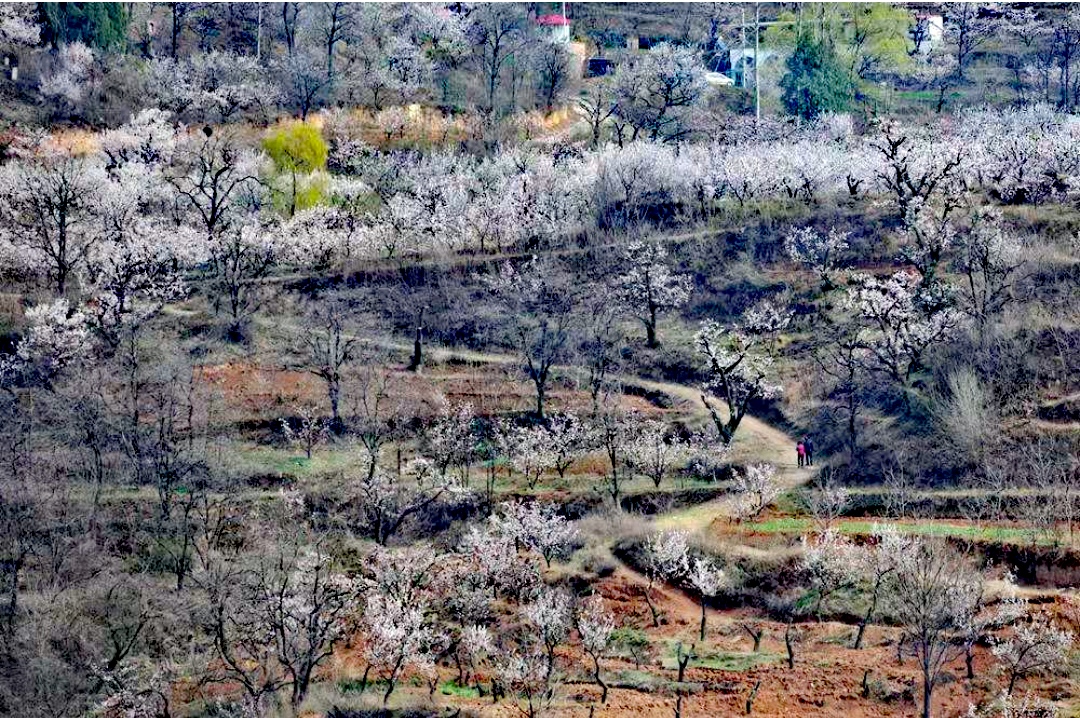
554 19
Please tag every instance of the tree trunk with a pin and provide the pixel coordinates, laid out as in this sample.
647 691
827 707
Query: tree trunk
702 618
333 389
598 679
650 329
750 698
928 693
652 608
540 391
866 619
417 360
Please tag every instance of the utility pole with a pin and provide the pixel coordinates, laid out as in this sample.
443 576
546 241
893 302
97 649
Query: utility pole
258 36
757 65
742 58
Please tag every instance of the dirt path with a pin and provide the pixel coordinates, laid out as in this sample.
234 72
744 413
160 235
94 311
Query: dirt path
755 441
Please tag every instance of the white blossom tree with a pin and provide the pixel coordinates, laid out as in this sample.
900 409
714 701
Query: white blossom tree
666 556
816 250
739 363
656 90
1035 646
528 450
912 166
707 579
568 439
550 615
49 207
538 527
308 431
58 335
829 560
386 500
595 624
876 562
73 77
451 439
756 487
649 287
402 635
521 670
653 450
18 25
827 504
899 329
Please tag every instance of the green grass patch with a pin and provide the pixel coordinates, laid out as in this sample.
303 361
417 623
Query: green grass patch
1004 534
646 682
328 459
355 685
451 688
721 660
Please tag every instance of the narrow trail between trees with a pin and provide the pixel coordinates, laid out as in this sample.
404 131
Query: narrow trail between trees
755 442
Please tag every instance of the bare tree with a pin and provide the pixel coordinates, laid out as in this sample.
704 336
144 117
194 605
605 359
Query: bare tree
840 357
330 348
336 20
539 304
290 16
303 81
215 180
499 36
968 26
934 593
990 260
240 257
599 340
277 615
552 69
597 107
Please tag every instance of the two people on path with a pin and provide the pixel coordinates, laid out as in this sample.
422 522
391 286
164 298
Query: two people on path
805 451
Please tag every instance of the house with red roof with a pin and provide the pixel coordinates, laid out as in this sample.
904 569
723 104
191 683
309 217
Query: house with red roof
556 26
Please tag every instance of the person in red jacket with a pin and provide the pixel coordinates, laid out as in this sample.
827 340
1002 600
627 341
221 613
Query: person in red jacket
800 449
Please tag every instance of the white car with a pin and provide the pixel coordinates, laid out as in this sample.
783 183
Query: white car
718 79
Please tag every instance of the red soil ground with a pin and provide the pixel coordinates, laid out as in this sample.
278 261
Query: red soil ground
826 681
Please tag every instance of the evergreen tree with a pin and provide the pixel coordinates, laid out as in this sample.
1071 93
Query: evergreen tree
99 25
815 82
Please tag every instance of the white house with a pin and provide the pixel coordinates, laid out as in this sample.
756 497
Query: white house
742 62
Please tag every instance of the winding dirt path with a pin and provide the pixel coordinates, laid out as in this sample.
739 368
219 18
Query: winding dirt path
755 441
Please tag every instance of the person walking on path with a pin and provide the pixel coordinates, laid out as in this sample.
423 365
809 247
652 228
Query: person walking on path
800 449
808 446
